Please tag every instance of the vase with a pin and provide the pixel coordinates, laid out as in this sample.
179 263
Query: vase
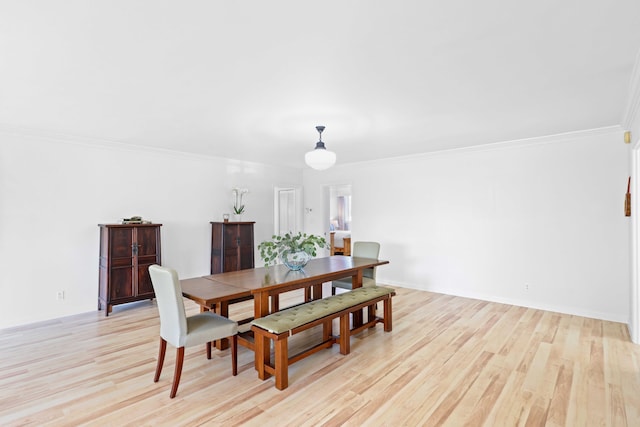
295 260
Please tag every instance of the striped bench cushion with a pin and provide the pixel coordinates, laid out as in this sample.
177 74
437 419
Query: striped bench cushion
290 318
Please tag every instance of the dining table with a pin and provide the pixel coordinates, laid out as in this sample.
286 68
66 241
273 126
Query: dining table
265 284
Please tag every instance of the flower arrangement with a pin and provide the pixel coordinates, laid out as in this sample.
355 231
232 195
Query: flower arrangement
289 243
238 207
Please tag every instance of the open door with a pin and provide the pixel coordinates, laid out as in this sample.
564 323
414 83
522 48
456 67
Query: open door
339 219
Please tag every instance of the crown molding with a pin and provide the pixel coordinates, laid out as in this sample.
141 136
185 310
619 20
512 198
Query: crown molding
70 139
502 145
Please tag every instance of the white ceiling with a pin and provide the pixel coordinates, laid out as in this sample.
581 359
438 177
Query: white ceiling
251 79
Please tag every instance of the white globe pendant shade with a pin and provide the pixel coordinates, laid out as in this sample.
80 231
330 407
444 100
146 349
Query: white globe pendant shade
320 158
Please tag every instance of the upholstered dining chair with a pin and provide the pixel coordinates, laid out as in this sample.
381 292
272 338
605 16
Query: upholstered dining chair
361 250
181 331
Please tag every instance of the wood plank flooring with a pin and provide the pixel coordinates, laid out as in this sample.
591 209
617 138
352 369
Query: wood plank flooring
449 361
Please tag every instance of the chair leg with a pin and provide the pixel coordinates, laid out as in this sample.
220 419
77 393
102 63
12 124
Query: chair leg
234 355
163 349
178 371
209 350
333 290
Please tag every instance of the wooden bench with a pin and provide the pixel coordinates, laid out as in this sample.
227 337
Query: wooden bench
281 325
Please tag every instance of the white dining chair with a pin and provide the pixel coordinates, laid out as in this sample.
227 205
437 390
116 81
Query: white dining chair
360 250
181 331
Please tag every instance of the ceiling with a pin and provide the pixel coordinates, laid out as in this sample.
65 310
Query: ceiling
251 79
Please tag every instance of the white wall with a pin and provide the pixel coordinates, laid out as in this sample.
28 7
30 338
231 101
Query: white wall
54 193
487 222
479 222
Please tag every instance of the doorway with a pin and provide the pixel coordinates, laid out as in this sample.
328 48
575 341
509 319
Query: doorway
287 210
340 208
338 218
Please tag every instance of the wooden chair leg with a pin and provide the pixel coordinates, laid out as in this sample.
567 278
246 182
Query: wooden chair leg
163 349
209 350
178 371
234 355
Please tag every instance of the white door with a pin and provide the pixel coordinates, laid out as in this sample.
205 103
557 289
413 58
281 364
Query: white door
287 216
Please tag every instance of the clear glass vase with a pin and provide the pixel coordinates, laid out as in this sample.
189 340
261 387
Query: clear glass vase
295 260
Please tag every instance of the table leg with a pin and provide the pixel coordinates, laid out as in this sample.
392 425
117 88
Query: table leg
222 309
317 291
356 282
261 309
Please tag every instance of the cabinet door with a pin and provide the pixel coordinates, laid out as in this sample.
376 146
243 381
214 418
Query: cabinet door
121 282
148 254
145 287
147 240
121 274
217 251
121 243
245 243
231 241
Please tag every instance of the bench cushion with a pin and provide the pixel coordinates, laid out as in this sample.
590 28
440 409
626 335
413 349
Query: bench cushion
290 318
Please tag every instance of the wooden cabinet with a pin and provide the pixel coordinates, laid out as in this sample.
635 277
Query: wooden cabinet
126 252
231 246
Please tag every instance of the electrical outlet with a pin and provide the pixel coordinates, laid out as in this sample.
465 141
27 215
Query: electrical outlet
60 295
526 286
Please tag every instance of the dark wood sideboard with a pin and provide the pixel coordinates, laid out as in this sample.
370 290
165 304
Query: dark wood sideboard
231 246
126 252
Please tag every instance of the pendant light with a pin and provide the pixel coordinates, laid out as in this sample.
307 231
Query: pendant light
320 158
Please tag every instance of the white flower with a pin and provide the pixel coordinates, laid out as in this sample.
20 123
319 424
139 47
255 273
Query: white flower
238 207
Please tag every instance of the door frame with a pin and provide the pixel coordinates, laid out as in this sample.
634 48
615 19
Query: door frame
634 309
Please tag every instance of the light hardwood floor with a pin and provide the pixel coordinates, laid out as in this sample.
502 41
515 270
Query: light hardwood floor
449 361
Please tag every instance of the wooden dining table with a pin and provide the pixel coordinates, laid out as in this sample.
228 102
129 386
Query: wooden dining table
215 292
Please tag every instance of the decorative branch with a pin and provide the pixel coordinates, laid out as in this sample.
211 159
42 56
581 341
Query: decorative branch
278 246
